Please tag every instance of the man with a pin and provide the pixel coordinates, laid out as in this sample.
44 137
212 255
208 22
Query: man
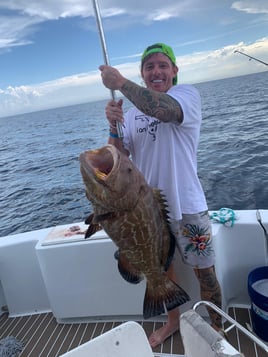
161 133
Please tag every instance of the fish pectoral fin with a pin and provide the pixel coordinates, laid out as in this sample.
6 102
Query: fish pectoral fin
104 217
94 222
89 219
164 293
126 270
92 228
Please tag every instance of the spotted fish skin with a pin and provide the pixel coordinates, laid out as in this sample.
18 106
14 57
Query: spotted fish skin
135 217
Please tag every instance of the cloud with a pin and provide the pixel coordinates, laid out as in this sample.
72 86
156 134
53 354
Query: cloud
61 92
48 9
85 87
20 17
251 6
16 30
51 9
223 62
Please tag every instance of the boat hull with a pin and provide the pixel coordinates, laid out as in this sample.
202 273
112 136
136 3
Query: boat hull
78 279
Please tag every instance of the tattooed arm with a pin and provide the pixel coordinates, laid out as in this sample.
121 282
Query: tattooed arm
156 104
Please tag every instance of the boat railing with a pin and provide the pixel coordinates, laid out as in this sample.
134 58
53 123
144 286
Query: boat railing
233 323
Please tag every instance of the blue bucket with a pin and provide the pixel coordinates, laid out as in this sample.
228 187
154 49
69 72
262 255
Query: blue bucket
258 292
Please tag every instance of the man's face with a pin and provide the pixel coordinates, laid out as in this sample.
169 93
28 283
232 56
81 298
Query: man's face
158 72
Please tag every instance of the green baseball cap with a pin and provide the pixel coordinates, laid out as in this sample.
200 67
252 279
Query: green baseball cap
160 48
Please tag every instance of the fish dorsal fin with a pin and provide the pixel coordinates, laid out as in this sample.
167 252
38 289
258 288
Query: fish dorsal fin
167 249
162 201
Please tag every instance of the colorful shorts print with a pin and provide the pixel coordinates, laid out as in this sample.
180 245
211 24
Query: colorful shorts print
194 239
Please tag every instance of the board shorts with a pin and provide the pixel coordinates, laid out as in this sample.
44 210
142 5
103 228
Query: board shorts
193 235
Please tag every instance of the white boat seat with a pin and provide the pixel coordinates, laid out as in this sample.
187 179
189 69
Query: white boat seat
125 340
201 340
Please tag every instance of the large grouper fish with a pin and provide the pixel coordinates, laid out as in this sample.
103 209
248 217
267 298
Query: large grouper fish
135 217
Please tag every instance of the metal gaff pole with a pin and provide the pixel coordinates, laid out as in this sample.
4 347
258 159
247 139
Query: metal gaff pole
105 55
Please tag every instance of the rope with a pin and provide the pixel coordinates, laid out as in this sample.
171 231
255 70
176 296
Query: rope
225 216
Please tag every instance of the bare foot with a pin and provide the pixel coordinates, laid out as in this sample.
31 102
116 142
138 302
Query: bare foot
160 335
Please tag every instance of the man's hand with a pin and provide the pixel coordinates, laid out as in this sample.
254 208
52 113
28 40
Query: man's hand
111 77
114 112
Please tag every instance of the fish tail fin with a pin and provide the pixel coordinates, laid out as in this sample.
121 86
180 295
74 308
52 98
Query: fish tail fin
167 296
126 270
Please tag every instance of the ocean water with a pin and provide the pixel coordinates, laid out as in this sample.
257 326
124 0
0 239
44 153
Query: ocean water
40 181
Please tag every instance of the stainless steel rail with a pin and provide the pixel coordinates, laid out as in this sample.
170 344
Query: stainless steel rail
233 322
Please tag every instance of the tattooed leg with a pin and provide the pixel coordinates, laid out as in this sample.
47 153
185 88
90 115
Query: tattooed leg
210 291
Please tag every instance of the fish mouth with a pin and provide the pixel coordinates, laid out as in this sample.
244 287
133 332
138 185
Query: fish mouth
99 162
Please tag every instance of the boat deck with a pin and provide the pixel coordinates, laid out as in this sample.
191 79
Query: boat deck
42 336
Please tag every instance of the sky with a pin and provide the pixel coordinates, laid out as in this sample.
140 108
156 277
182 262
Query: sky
50 50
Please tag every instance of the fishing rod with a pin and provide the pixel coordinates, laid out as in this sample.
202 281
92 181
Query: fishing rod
250 57
105 55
